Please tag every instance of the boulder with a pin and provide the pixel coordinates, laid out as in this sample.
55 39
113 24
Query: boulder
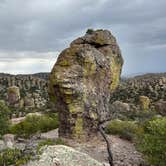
160 107
9 140
119 109
60 155
82 80
13 95
29 102
144 103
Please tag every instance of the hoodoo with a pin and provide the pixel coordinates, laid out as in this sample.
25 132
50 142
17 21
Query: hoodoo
82 80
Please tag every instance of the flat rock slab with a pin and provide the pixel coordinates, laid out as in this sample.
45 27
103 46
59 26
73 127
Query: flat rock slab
60 155
53 134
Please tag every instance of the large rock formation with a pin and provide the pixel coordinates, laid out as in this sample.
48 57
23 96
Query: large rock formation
82 80
13 95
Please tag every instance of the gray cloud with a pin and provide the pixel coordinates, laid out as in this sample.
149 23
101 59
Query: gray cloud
33 28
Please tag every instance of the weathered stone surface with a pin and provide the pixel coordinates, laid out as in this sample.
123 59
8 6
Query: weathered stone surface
61 155
29 102
160 107
13 95
9 140
82 80
120 107
144 102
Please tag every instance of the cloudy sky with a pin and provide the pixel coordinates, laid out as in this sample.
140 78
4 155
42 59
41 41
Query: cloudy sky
33 32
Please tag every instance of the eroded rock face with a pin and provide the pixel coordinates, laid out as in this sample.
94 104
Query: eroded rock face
81 82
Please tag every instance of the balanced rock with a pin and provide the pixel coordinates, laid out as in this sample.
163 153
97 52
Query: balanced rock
82 80
13 95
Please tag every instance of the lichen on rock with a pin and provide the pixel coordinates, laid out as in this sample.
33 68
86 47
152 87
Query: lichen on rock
82 80
144 103
13 95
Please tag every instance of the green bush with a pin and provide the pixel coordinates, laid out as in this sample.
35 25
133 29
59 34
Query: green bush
13 157
89 31
35 124
141 116
4 118
153 142
125 129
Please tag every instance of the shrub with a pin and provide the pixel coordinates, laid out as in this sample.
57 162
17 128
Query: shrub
125 129
13 157
153 142
140 115
89 31
4 118
35 124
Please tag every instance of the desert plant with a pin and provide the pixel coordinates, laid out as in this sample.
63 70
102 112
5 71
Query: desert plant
125 129
13 157
35 124
89 31
153 142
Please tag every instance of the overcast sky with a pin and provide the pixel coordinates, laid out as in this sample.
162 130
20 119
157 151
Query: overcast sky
33 32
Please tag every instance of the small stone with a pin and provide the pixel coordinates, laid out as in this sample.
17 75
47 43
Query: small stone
9 140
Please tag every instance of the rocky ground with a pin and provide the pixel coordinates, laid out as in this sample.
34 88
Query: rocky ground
124 152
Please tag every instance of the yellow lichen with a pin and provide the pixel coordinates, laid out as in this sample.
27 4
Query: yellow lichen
89 66
75 108
144 103
78 130
115 71
64 63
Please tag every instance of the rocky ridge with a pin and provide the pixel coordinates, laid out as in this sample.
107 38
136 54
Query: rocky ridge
150 85
32 88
